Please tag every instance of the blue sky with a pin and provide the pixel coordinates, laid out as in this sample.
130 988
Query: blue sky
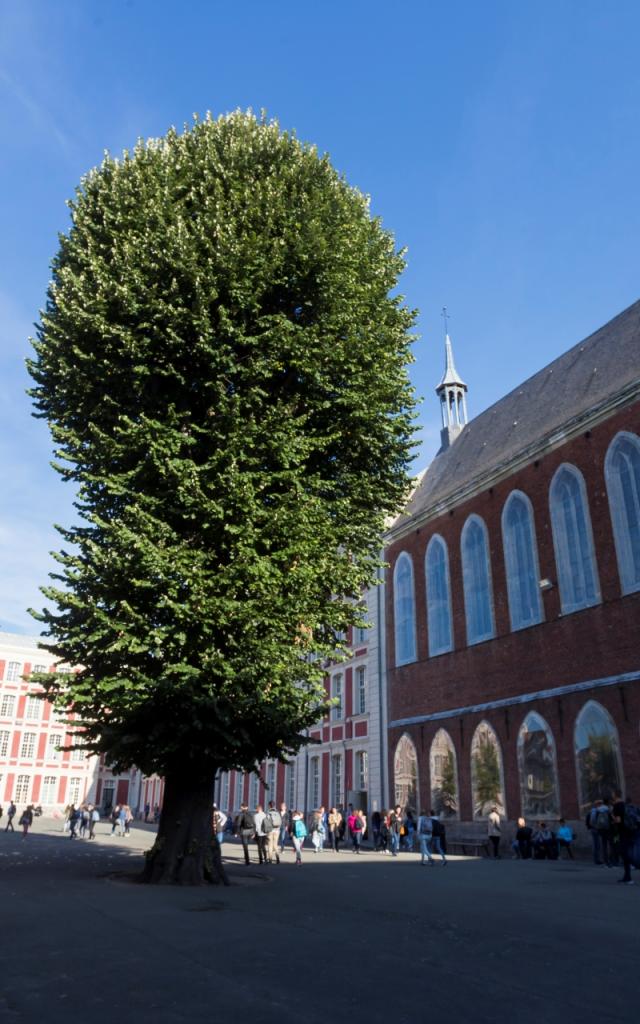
499 141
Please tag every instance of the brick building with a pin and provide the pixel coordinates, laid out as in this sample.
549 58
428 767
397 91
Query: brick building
32 767
513 596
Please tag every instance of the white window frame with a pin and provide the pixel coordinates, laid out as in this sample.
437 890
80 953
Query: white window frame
28 745
49 789
8 705
291 785
75 787
224 792
629 575
13 671
441 648
254 791
362 770
54 739
5 737
360 702
405 619
566 580
22 789
468 580
512 564
32 703
271 781
39 669
337 693
314 782
337 776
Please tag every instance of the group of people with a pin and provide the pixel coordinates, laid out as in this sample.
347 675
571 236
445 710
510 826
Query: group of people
541 842
25 820
80 821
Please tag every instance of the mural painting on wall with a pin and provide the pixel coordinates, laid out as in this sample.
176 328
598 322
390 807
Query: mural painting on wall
405 772
486 772
444 775
597 755
537 767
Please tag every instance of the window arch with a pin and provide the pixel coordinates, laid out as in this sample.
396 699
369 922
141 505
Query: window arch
476 578
438 596
404 610
521 561
538 768
622 473
573 540
405 774
597 751
443 770
487 773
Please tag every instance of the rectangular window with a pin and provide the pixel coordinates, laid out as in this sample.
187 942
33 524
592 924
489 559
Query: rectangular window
271 781
224 793
7 705
54 740
13 671
361 769
359 636
74 791
254 792
33 709
4 743
291 786
23 787
28 744
48 794
336 780
336 693
361 690
314 782
39 668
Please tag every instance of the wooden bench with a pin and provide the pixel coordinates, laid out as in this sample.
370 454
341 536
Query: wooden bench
469 847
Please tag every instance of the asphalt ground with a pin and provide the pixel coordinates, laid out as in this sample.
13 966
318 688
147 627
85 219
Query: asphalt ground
343 938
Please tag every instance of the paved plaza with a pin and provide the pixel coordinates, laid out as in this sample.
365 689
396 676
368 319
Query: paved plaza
343 938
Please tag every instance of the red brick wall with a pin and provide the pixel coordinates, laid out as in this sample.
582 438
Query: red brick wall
590 644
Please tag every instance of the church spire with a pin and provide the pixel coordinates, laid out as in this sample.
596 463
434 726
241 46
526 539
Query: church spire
452 392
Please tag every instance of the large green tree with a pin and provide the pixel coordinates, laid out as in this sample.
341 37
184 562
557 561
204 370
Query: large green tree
222 363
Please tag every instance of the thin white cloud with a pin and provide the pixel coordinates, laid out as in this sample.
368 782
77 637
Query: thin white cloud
41 117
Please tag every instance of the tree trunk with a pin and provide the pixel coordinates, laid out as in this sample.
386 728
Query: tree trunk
186 851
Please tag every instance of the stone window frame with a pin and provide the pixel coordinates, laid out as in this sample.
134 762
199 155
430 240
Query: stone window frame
471 594
511 562
404 611
546 728
438 542
612 729
451 748
567 580
628 573
337 693
360 689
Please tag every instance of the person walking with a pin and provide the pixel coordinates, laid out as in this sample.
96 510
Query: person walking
356 828
494 831
11 813
246 829
425 835
437 836
26 820
395 829
298 834
626 818
375 828
284 826
115 813
74 819
317 830
565 838
260 833
219 822
335 821
384 832
95 818
274 818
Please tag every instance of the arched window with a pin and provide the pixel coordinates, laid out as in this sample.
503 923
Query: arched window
573 540
597 750
404 610
538 770
487 776
438 597
405 773
622 472
476 577
444 775
521 561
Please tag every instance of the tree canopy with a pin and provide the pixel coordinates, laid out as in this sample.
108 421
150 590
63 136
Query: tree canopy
223 365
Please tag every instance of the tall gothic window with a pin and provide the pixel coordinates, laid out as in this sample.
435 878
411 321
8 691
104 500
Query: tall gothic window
487 775
476 577
521 561
622 472
404 610
597 751
405 773
438 596
573 540
537 766
444 775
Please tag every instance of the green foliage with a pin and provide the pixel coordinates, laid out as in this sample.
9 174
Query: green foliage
486 776
222 362
448 789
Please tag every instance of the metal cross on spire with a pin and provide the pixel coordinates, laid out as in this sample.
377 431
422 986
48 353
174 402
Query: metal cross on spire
445 316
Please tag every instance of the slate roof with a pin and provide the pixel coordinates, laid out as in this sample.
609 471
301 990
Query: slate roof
594 370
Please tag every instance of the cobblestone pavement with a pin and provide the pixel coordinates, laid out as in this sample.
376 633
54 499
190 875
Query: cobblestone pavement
343 938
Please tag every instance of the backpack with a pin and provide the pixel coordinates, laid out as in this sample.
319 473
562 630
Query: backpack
267 825
631 818
358 825
426 826
276 818
299 828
